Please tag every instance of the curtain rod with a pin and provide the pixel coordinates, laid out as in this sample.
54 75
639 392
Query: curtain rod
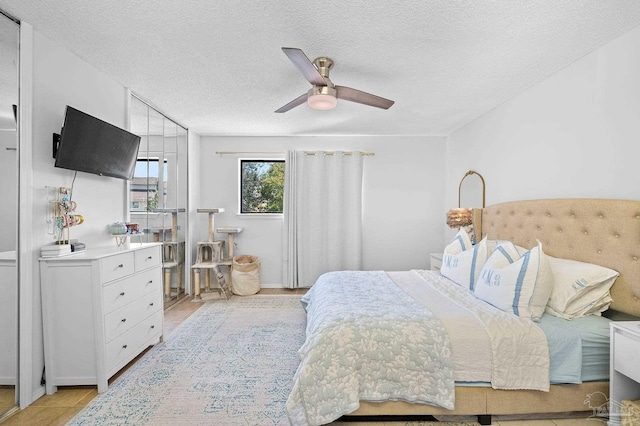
338 152
249 152
305 152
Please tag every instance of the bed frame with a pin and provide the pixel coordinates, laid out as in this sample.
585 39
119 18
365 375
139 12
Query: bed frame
601 231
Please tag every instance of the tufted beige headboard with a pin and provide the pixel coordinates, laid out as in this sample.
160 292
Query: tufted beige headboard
601 231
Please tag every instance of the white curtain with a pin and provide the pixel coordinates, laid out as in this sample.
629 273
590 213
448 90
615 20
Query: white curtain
323 215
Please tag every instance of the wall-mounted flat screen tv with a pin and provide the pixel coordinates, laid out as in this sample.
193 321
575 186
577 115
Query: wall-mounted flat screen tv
88 144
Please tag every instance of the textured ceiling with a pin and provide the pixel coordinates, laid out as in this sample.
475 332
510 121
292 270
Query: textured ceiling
216 66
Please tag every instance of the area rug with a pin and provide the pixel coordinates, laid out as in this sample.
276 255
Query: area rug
231 362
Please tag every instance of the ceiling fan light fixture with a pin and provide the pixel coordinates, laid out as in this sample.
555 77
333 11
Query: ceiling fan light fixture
322 97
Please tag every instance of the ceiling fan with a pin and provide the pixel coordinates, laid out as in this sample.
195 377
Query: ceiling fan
324 94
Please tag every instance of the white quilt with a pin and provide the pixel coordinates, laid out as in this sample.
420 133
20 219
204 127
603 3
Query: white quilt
519 348
471 353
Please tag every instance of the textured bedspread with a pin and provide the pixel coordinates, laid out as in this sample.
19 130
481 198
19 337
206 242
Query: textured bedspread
519 348
367 340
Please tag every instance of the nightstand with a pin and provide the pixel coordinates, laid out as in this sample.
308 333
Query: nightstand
624 381
436 261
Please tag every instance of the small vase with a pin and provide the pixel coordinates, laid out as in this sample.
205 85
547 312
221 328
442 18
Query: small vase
117 228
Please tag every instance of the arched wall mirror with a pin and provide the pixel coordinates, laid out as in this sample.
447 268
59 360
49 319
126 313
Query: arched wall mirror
158 192
472 190
9 36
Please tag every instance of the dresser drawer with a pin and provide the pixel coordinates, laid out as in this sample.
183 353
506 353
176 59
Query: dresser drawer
626 354
115 267
116 294
129 344
147 258
128 316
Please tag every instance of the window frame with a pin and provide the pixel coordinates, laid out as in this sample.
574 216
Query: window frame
240 181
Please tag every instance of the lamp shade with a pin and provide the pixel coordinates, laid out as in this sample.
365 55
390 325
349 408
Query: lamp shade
322 98
457 218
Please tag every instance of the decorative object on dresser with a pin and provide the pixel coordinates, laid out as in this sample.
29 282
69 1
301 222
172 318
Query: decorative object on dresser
62 214
624 384
101 308
121 232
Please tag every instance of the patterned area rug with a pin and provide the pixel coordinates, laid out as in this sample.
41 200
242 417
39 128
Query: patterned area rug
230 363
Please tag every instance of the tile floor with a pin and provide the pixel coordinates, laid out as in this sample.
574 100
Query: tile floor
58 409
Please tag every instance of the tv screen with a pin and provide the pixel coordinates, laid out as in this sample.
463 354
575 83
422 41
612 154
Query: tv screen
88 144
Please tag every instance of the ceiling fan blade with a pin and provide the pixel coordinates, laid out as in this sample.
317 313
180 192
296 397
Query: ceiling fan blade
353 95
294 103
305 66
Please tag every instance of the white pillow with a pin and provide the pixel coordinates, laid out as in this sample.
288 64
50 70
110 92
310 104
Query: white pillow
596 307
543 288
580 288
493 244
516 284
462 261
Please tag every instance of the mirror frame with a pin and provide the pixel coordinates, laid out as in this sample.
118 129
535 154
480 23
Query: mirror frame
26 260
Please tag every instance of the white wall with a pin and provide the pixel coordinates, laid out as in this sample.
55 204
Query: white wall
402 200
61 78
576 134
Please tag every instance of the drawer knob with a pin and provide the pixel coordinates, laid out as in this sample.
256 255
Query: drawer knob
121 266
153 326
124 346
150 257
150 282
151 304
123 320
122 294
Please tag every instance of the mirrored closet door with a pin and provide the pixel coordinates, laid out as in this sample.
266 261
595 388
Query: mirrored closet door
9 33
158 197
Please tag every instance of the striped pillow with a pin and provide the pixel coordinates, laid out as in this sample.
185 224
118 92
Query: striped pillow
462 261
517 284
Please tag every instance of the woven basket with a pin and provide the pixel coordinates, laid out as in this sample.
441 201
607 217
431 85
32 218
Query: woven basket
630 413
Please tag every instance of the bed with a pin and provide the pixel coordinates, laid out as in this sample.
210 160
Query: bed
598 231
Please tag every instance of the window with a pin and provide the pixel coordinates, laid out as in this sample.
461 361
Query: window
146 184
261 186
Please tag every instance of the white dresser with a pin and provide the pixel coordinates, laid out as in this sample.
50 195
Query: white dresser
624 381
8 318
101 308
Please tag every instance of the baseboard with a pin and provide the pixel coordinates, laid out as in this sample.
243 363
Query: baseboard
272 285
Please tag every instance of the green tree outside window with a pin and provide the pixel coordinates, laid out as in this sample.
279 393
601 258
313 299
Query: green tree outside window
261 186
